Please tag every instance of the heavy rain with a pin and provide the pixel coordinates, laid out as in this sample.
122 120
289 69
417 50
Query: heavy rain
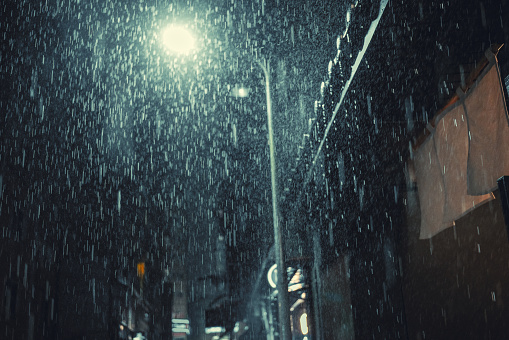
161 160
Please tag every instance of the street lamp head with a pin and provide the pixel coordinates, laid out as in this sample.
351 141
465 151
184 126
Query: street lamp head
177 39
240 91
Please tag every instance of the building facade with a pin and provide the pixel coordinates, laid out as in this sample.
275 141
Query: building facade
353 202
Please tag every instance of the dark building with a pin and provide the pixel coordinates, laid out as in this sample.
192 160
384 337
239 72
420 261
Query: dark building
353 202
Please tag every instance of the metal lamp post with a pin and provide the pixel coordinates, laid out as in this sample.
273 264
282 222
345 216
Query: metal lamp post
281 284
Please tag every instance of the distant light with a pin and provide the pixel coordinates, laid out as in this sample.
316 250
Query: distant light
243 92
177 39
180 320
212 330
295 287
304 323
180 326
180 330
240 92
139 336
140 268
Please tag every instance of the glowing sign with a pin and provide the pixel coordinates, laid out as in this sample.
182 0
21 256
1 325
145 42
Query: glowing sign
180 321
304 323
180 326
272 276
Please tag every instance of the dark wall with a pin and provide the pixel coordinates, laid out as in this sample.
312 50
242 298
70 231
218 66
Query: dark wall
451 286
455 283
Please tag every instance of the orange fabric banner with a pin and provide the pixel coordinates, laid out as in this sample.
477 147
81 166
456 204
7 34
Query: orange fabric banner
457 167
488 125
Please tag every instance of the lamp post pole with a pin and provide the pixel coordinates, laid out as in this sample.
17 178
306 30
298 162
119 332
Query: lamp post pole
281 284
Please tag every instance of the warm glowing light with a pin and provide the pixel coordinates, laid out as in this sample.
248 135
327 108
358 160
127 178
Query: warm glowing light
304 323
141 269
177 39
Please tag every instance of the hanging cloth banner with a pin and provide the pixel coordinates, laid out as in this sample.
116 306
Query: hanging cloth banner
488 126
431 188
441 173
458 165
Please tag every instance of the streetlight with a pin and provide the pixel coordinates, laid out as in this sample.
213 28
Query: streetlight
177 39
240 92
181 41
281 285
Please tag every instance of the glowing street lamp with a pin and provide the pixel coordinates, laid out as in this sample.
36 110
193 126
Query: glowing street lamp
177 39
